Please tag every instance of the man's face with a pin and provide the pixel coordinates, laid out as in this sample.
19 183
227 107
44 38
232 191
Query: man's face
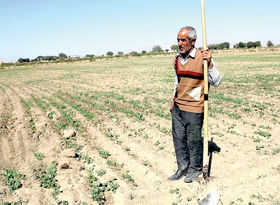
183 42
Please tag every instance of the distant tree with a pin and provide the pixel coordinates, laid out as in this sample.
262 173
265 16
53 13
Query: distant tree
120 53
143 52
166 50
257 44
89 56
50 58
134 53
269 44
254 44
224 45
174 48
110 53
39 58
62 56
157 49
240 45
23 60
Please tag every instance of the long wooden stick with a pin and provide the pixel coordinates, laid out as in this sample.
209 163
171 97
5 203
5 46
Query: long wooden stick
205 134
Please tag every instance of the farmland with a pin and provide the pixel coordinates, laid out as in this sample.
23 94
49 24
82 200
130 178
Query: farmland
100 132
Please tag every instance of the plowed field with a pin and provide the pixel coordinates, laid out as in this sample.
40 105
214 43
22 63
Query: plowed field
100 132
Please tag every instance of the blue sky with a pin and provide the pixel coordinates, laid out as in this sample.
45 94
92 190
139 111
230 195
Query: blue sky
30 28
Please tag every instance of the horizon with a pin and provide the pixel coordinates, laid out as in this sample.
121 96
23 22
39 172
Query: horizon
96 27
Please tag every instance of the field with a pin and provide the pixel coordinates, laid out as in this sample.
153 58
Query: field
100 132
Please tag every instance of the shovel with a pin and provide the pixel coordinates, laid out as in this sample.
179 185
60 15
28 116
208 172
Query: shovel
213 197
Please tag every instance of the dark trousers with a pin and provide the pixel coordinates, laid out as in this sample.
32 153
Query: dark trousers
188 143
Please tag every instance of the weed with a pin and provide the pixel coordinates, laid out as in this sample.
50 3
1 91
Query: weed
104 154
131 196
63 202
101 172
259 147
38 155
256 139
276 151
174 191
259 197
129 178
12 203
50 114
114 164
86 159
146 163
47 178
127 149
265 127
97 193
12 179
157 143
263 133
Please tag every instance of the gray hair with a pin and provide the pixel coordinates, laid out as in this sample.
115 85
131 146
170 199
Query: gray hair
191 32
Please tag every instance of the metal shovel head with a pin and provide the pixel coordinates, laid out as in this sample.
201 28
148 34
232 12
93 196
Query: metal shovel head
210 199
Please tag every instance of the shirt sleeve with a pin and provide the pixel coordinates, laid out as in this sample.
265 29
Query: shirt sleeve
214 76
175 84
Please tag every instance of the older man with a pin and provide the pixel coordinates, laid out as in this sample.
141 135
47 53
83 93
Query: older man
187 105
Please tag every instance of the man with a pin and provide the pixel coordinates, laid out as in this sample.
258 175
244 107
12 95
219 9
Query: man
188 104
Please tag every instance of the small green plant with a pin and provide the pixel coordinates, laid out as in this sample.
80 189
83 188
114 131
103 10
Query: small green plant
47 178
38 155
101 172
97 193
259 147
174 191
86 159
12 179
114 164
129 178
104 154
276 151
263 133
12 203
63 202
131 196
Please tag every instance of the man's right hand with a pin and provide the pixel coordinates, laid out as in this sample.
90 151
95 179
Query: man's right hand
172 103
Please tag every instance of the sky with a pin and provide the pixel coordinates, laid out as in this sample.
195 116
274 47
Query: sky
31 28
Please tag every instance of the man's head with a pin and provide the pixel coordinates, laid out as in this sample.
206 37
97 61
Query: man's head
186 39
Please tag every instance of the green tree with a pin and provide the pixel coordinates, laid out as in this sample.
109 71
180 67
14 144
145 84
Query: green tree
174 48
23 60
134 53
240 45
120 53
110 53
269 44
89 56
62 56
157 49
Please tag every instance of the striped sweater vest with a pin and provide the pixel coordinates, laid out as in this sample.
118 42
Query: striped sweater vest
190 90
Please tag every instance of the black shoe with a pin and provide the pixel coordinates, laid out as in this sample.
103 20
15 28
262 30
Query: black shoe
192 175
178 175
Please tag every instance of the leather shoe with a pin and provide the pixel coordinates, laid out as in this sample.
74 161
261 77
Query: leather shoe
178 175
192 175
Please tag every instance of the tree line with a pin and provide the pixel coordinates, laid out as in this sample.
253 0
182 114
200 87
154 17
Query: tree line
156 49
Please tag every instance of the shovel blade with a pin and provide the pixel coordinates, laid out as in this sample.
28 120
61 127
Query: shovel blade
211 199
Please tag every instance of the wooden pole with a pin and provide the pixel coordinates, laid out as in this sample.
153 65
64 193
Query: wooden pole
205 126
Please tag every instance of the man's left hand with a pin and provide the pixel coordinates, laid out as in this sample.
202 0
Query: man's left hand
206 55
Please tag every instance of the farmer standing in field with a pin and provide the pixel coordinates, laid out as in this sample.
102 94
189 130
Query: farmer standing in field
187 105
